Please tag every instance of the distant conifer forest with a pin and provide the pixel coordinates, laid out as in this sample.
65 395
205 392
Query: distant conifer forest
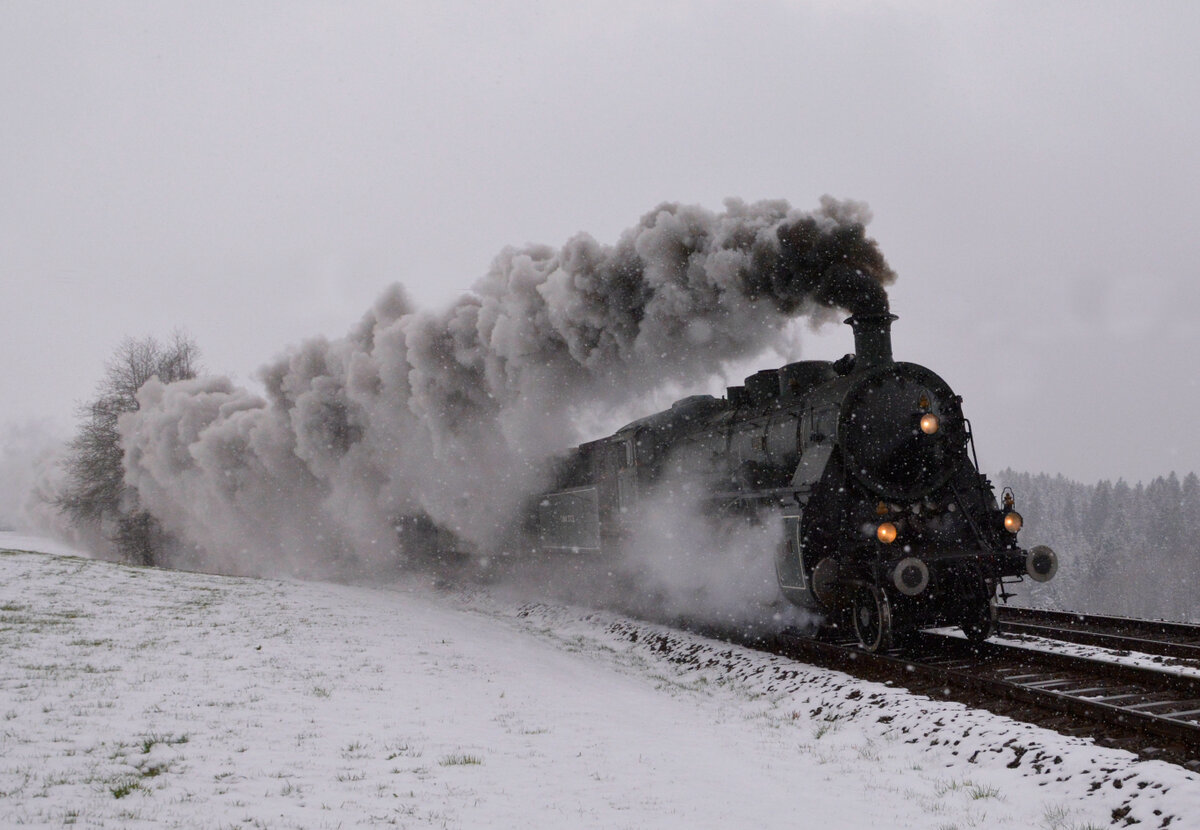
1129 550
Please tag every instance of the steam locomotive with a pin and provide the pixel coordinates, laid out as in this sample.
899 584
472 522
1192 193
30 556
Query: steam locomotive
888 524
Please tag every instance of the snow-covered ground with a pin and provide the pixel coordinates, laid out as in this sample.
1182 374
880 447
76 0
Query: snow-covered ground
138 697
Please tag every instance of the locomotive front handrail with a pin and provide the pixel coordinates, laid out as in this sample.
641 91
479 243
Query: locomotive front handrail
971 442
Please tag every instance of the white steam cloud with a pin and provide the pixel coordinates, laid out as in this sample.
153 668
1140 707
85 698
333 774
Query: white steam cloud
690 565
454 415
28 451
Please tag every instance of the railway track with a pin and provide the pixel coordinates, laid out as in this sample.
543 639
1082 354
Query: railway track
1151 712
1167 639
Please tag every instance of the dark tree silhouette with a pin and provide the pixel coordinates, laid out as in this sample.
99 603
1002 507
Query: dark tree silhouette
95 495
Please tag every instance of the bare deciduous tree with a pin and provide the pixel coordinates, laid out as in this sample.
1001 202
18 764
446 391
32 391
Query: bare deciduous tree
95 494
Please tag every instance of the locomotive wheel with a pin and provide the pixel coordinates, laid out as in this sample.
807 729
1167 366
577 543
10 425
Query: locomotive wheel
981 623
872 618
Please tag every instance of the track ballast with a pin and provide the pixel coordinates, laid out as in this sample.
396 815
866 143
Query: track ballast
1150 712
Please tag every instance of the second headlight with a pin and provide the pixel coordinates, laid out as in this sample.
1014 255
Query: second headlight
1013 521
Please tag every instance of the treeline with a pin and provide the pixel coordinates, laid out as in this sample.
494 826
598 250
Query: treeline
93 494
1124 549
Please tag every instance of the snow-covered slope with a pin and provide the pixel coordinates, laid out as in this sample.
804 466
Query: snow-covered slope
139 697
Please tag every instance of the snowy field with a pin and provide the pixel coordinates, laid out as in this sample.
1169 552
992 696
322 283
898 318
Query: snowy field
137 697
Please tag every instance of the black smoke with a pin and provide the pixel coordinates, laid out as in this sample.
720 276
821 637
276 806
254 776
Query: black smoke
453 414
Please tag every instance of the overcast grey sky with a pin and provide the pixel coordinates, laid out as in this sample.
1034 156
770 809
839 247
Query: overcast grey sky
256 173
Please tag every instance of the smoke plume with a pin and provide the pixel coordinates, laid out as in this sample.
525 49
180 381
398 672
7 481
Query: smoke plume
454 414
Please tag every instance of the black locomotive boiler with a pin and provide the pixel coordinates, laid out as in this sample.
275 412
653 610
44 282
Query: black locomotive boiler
888 524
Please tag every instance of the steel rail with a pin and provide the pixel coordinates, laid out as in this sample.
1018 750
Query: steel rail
1159 637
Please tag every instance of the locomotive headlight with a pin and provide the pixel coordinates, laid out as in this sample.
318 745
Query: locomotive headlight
1012 521
929 423
886 533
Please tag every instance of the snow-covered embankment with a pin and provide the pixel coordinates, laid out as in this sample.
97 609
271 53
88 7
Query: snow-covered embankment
144 697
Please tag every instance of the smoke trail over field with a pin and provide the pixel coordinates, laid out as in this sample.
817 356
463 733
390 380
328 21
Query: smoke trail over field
453 414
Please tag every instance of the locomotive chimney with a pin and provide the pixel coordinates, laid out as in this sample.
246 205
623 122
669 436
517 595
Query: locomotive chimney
872 339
